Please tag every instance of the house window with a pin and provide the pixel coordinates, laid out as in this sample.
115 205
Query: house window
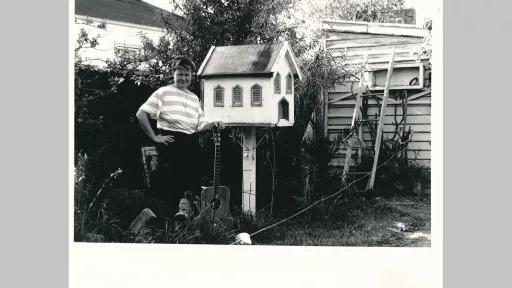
277 84
126 50
283 110
237 96
218 95
256 95
289 83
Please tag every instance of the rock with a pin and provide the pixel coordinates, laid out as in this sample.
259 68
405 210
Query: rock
185 208
141 220
243 239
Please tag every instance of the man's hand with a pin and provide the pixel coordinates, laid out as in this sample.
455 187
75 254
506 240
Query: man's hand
218 124
164 139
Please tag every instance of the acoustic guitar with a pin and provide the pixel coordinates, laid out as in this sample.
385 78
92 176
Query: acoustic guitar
215 199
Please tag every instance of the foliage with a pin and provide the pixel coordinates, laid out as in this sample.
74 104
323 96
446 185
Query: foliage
86 41
93 220
362 10
197 231
104 121
426 49
229 22
399 176
312 149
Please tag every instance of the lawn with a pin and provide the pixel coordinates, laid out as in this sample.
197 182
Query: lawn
381 223
351 221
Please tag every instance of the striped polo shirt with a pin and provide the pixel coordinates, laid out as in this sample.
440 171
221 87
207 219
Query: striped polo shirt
175 110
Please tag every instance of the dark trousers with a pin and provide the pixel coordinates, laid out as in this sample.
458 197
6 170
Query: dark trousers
178 171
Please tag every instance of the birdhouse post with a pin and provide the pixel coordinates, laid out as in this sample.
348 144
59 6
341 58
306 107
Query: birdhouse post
249 169
249 86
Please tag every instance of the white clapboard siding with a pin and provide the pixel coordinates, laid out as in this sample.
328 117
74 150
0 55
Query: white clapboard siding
352 41
402 49
375 40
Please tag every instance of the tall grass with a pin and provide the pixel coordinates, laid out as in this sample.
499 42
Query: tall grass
93 220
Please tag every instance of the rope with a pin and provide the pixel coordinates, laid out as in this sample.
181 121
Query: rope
324 198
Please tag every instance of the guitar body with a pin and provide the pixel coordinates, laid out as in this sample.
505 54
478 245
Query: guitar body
215 205
215 199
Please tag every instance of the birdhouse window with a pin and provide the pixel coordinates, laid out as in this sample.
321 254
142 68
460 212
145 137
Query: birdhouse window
256 95
277 84
237 96
283 110
218 94
289 83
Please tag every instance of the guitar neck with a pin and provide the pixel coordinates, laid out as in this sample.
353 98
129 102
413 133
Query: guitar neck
216 167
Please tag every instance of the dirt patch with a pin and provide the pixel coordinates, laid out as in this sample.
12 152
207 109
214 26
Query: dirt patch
416 224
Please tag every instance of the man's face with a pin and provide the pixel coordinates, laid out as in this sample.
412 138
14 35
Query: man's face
182 78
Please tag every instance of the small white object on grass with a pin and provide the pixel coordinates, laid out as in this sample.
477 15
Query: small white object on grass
243 239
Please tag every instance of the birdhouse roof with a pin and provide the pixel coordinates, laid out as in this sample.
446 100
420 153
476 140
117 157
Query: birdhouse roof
247 60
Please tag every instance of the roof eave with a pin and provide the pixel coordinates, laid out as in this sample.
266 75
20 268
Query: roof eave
373 28
205 61
284 50
221 75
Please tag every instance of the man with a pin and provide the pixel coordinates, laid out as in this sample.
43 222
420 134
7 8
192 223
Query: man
179 117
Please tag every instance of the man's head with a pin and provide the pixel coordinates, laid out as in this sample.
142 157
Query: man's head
183 68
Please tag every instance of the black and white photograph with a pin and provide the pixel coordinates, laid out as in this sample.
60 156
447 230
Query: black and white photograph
254 122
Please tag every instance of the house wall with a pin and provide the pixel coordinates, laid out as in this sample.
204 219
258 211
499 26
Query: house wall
341 101
115 34
418 119
247 114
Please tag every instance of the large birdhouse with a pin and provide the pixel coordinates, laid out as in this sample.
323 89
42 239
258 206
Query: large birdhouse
249 85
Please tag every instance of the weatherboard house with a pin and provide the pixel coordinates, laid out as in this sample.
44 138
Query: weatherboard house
249 85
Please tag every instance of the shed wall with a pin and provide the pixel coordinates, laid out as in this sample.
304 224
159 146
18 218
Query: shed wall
341 101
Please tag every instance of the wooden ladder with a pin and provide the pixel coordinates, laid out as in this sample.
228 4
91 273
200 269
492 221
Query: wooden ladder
357 120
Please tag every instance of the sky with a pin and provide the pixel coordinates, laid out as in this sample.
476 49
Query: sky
424 8
164 4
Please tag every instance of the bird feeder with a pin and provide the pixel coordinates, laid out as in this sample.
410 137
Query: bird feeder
249 86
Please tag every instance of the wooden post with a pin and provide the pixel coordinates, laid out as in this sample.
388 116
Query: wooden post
360 150
249 170
325 110
355 117
381 120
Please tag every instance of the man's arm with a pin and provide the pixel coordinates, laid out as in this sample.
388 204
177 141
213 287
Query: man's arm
205 127
209 125
143 118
